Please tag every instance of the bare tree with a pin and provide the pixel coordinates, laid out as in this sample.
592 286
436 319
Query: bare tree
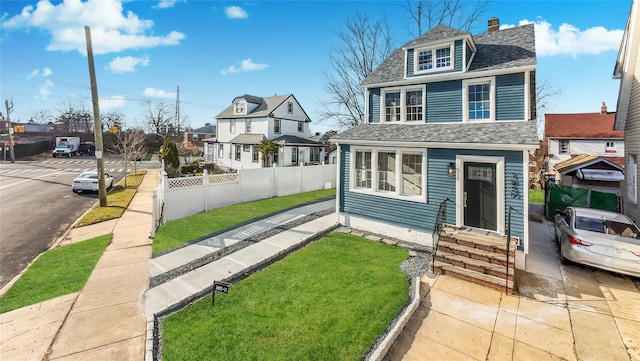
112 119
459 14
75 118
365 43
545 92
129 144
158 117
42 117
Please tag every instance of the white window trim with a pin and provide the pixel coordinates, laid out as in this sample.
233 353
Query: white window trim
500 187
433 49
492 99
290 107
247 125
403 103
238 105
232 126
397 194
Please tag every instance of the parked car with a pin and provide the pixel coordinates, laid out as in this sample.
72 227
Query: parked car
87 148
602 239
88 181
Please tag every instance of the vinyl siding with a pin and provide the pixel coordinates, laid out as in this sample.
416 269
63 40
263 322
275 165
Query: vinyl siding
632 139
410 62
510 97
444 102
457 56
374 105
422 216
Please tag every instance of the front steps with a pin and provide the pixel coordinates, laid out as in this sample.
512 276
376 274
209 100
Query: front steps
476 256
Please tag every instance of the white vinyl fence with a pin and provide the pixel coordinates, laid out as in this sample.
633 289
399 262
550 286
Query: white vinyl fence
180 197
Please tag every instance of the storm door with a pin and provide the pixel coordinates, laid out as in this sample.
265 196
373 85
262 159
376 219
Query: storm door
480 195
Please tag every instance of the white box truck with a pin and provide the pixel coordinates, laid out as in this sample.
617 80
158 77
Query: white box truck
66 146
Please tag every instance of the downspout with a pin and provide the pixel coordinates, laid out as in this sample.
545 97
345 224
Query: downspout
338 165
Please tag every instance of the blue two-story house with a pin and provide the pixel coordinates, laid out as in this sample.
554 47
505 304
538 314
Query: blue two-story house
449 115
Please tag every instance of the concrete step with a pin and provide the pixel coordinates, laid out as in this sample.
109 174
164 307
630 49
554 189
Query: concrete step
462 261
473 253
490 281
482 240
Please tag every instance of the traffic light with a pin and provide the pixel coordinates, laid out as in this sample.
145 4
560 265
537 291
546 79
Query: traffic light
113 129
18 128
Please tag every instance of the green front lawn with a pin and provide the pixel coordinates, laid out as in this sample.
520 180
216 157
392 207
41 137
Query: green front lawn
55 273
536 196
179 231
328 301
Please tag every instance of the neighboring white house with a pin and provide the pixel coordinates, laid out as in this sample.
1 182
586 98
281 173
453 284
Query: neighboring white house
250 119
570 135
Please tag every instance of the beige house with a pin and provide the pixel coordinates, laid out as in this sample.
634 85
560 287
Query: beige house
627 69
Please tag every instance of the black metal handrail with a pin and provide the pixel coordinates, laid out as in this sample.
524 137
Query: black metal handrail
441 219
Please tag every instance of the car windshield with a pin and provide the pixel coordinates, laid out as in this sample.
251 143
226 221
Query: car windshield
88 175
602 225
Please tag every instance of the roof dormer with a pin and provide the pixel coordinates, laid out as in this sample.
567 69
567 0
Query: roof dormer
440 50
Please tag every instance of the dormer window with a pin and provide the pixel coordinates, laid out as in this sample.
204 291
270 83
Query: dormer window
241 108
433 58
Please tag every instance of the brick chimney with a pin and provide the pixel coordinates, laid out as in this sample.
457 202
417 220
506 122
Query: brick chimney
494 24
603 108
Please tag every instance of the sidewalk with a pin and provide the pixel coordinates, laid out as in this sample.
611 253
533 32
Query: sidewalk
104 321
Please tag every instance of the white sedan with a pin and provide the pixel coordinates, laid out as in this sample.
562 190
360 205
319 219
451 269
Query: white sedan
88 181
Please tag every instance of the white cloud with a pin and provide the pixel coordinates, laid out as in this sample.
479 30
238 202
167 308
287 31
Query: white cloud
157 93
235 12
111 29
116 101
165 4
44 89
126 64
44 72
570 40
245 65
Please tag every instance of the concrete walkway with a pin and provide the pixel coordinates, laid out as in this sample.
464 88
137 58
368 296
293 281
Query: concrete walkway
561 313
182 288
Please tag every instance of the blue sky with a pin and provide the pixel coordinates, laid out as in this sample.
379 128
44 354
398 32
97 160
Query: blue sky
217 50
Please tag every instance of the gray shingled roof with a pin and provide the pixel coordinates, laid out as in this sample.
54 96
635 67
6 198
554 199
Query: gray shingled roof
507 48
267 105
292 139
498 133
438 33
248 139
211 129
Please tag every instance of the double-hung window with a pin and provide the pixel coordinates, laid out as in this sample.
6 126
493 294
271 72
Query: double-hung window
247 125
246 147
241 108
403 104
392 106
232 126
255 154
238 151
220 151
390 173
294 155
276 126
412 174
363 169
300 127
413 101
314 156
387 171
563 147
434 58
479 99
